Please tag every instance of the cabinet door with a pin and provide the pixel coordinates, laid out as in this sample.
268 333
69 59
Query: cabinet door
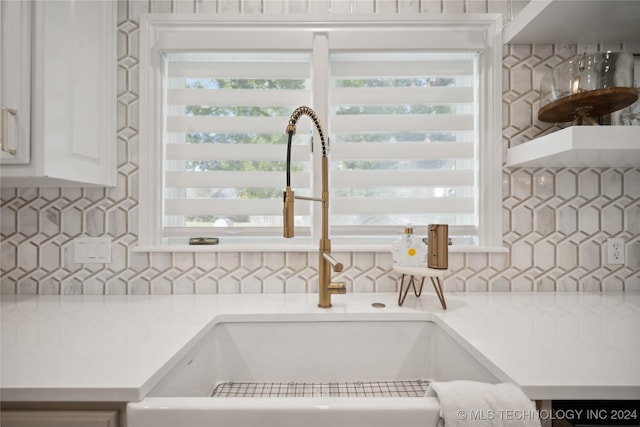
15 77
74 90
15 418
73 95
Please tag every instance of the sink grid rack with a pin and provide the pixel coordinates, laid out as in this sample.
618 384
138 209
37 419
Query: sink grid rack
394 388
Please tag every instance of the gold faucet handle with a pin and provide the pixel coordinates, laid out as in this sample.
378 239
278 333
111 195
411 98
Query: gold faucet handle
337 266
338 288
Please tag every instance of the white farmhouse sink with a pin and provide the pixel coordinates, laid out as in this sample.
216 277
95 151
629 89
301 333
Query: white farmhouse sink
285 356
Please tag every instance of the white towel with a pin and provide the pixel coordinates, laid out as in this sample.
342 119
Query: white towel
471 403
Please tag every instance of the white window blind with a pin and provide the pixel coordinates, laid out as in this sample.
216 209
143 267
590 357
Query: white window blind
404 132
225 142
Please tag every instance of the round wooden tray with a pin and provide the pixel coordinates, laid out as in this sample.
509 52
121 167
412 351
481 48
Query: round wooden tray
594 103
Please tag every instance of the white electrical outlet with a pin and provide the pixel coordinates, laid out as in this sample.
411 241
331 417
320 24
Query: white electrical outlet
615 251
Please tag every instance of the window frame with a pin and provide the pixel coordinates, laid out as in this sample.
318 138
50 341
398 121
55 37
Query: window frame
172 33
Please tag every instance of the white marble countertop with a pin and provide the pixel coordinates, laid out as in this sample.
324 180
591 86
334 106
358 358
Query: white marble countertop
116 348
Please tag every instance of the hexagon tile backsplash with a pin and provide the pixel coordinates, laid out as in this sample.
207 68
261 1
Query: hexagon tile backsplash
555 221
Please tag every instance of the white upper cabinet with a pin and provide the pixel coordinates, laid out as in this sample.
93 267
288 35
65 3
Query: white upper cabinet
15 77
73 94
575 21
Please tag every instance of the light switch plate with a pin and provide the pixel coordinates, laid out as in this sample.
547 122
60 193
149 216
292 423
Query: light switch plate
92 250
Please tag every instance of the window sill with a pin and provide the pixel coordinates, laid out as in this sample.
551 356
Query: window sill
306 245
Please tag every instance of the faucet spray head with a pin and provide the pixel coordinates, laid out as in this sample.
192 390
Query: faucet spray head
287 213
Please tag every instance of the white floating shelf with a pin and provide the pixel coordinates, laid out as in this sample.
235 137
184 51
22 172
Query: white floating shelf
576 21
580 146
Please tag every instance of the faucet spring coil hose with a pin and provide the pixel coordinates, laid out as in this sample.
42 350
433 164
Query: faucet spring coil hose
306 111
